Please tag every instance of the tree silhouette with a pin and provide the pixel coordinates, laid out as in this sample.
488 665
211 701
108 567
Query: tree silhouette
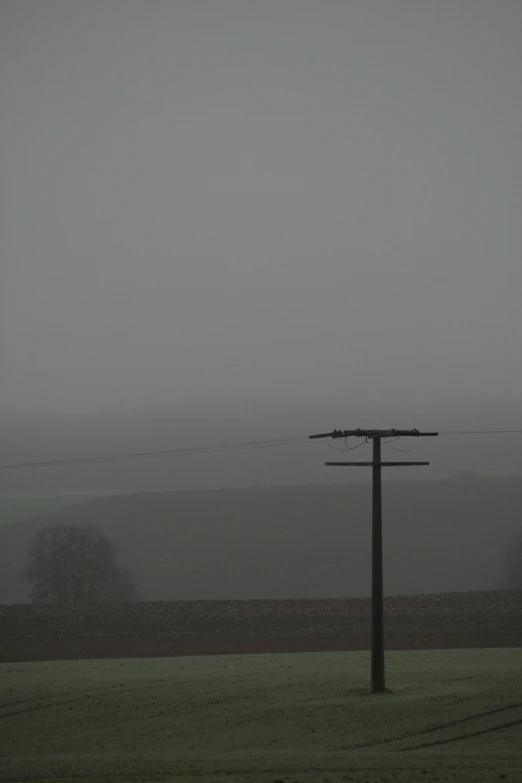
76 564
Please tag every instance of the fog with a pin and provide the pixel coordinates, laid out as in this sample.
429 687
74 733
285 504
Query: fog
227 221
38 437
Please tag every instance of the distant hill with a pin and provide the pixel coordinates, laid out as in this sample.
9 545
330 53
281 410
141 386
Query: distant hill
296 542
16 507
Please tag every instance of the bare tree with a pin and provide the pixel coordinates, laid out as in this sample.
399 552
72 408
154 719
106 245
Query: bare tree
76 564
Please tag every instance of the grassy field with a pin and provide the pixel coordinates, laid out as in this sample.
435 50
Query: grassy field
15 508
294 718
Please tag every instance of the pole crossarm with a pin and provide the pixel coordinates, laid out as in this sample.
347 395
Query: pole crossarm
370 434
375 464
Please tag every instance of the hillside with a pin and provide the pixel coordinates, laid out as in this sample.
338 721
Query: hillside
295 542
17 507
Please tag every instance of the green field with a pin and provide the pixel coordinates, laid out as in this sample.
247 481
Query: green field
297 718
15 508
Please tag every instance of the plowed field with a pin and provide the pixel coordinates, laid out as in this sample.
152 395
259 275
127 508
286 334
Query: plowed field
452 620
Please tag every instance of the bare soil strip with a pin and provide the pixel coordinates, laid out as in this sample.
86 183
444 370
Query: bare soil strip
168 629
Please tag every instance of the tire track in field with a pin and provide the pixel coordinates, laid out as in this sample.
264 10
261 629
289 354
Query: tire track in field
195 706
185 707
75 700
32 699
439 727
472 734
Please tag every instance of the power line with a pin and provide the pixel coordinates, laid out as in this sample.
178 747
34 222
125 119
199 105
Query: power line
481 432
346 446
297 441
394 448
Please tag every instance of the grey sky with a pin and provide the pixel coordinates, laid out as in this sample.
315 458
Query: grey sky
219 199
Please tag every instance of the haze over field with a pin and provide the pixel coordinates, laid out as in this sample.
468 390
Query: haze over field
294 542
231 221
226 226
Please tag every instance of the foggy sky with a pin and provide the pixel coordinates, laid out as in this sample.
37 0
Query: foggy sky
259 200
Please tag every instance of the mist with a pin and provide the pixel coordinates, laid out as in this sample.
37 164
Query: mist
41 437
230 221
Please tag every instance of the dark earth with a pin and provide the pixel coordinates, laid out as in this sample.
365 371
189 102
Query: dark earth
447 620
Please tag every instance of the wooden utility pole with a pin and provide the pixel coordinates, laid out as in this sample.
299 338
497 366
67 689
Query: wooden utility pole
378 678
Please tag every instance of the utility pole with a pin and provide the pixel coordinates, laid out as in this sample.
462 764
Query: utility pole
378 679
